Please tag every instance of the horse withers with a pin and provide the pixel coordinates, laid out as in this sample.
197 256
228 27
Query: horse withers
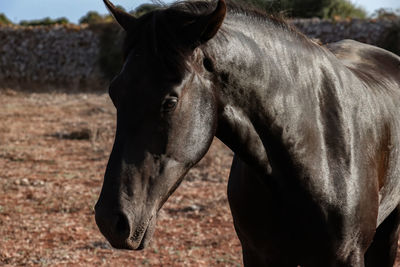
315 180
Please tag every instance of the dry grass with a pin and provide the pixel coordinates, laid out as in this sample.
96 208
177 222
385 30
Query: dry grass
53 152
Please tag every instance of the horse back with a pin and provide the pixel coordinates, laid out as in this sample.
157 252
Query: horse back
371 64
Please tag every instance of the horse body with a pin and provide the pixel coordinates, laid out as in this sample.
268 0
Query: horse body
378 70
331 140
315 134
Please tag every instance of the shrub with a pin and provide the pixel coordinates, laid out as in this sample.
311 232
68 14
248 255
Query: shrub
343 9
91 17
309 8
4 20
303 8
388 14
44 22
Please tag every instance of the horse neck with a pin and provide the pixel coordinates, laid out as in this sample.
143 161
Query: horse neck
260 71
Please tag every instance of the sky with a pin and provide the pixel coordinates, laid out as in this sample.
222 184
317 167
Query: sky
18 10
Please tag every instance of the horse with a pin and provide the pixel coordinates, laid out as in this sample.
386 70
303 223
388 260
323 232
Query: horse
315 180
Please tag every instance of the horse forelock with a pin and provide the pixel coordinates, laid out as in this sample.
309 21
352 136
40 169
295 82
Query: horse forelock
155 39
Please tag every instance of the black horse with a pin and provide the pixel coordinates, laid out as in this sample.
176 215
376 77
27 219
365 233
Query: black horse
315 180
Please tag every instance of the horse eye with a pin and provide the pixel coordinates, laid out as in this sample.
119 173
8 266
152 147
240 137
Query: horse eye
169 104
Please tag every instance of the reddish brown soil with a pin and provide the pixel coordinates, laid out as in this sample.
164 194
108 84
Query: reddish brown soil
53 151
49 185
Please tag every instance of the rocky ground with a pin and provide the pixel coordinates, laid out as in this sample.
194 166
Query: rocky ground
53 152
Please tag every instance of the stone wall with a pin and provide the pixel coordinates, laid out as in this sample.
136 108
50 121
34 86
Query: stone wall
73 57
366 31
59 56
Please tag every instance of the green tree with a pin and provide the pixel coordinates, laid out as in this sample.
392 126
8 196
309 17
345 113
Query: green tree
309 8
343 9
4 20
303 8
120 7
91 17
384 13
44 22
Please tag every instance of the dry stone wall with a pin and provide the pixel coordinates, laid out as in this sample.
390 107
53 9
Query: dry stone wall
366 31
61 56
71 56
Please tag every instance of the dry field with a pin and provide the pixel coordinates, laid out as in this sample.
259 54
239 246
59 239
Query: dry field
53 151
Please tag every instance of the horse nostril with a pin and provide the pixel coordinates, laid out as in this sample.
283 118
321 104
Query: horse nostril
122 227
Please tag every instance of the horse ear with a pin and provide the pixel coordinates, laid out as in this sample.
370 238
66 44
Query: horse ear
206 27
126 20
214 22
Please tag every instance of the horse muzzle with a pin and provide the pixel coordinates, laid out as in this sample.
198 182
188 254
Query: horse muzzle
121 230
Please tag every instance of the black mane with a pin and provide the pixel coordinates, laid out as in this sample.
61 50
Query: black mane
160 29
202 7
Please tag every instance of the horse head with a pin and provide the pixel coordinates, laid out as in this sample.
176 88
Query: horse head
166 118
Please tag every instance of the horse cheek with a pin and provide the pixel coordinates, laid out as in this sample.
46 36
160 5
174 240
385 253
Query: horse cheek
194 129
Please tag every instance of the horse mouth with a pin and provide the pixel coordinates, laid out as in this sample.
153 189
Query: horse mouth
140 239
139 244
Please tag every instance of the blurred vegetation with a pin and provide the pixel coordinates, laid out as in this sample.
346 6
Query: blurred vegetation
330 9
92 17
44 22
343 9
384 13
4 20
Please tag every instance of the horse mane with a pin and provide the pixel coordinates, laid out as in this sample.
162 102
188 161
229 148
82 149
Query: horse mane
202 7
159 27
